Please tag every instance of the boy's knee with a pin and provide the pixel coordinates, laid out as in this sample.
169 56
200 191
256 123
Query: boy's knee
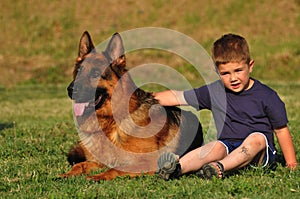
257 139
212 147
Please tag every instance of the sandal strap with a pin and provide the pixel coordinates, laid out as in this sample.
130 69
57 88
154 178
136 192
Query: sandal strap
221 167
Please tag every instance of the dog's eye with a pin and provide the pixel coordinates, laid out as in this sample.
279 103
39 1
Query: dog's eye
78 70
96 74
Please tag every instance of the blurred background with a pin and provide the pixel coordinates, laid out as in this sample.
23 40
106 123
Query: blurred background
38 47
39 39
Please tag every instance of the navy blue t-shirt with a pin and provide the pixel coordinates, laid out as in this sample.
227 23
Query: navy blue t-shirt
236 115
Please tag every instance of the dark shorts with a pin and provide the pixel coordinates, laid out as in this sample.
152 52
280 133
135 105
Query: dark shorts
269 157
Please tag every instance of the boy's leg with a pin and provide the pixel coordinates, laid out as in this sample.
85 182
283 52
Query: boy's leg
252 147
194 160
169 165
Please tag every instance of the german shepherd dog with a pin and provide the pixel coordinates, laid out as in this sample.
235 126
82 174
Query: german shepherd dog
123 129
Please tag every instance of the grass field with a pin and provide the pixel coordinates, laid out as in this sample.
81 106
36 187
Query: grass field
39 41
37 129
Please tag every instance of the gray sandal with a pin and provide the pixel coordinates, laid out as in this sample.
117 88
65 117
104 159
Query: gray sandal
210 170
168 166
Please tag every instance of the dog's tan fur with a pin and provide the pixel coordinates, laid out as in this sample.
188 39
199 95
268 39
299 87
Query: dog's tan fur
135 139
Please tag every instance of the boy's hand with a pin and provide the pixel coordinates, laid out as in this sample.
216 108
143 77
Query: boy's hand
286 144
293 166
170 98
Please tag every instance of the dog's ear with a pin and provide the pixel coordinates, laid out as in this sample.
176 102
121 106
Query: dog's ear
115 52
85 45
115 48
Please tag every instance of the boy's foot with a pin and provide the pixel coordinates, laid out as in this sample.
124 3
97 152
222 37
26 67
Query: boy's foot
210 170
168 166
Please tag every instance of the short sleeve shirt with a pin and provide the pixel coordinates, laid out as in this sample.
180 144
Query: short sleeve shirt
236 115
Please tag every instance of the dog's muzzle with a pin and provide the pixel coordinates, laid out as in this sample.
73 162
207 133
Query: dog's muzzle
86 100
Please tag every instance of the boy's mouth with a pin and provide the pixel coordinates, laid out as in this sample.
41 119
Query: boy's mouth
235 86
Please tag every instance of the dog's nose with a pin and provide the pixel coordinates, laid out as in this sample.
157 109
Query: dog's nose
71 89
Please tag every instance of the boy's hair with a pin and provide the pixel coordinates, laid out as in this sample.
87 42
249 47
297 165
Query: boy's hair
230 48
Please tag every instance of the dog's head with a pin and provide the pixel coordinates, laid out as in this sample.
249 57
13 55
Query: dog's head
96 74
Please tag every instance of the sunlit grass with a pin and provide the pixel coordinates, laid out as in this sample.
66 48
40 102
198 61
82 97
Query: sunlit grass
37 130
39 43
39 39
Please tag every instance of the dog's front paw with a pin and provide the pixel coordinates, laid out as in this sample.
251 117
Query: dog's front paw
99 177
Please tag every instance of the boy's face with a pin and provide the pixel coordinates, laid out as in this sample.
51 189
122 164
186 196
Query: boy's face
236 76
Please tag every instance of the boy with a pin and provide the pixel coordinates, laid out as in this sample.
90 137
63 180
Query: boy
252 113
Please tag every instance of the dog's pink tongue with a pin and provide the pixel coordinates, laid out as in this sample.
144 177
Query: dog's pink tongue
79 108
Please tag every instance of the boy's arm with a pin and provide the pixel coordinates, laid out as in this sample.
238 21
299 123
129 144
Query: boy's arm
286 144
170 98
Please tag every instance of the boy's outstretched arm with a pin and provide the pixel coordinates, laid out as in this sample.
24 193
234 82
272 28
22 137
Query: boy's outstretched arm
170 98
286 144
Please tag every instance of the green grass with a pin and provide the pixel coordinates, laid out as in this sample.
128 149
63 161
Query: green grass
37 129
39 41
41 37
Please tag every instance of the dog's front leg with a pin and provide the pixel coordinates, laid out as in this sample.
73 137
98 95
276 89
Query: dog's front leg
82 168
114 173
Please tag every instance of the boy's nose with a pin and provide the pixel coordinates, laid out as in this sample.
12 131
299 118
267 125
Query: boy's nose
233 77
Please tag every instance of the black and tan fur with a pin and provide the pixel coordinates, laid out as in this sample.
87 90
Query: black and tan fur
142 135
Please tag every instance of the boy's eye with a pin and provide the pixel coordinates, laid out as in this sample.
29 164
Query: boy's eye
224 73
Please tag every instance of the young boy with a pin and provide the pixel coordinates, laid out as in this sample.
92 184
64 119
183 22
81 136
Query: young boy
252 113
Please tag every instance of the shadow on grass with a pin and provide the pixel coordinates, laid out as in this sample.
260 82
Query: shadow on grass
6 125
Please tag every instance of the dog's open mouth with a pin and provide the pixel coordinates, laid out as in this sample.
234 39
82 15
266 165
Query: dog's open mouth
81 108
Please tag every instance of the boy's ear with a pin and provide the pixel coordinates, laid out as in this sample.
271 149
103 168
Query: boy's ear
251 65
85 45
